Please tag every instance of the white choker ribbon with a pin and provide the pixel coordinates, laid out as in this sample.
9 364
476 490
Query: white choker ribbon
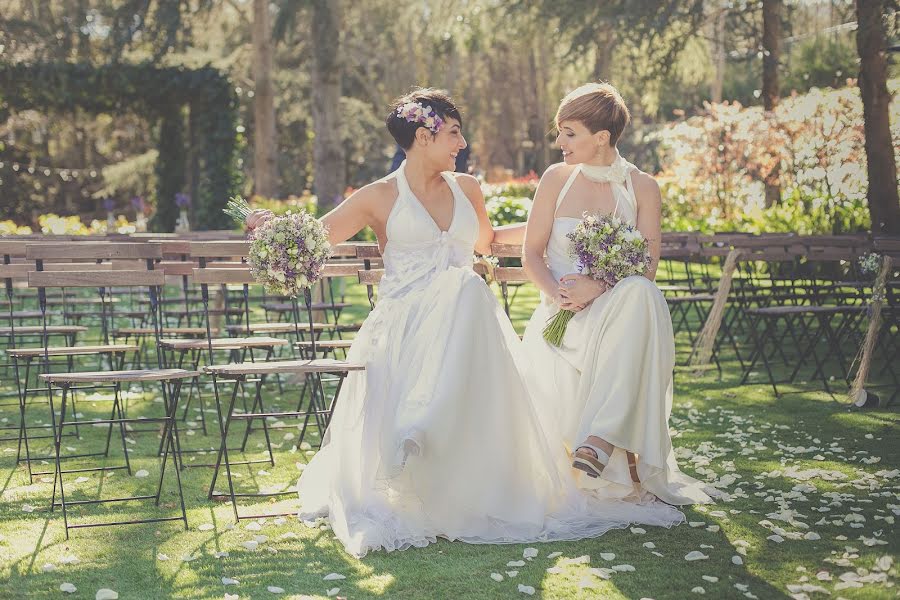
614 173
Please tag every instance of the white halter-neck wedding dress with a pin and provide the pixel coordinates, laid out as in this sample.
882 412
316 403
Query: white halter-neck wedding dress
439 437
612 375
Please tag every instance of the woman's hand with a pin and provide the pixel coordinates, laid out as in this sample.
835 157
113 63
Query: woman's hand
579 290
257 218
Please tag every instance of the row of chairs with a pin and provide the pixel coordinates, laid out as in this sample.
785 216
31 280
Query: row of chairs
196 317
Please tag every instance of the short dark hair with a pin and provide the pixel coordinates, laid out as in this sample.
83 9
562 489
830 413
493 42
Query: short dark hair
403 131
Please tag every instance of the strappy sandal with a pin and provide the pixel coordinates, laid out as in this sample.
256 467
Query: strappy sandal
632 466
584 461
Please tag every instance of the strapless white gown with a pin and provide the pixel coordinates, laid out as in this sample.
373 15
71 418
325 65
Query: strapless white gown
612 375
438 437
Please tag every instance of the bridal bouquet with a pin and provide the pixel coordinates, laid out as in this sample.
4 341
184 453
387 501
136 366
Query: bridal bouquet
287 253
607 249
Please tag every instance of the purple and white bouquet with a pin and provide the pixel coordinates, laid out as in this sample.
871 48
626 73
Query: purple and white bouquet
607 249
287 253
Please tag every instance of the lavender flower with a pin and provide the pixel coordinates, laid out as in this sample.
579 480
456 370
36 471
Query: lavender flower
138 203
182 200
109 204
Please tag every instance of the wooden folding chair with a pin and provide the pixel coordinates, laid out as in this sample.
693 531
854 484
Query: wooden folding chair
170 380
319 407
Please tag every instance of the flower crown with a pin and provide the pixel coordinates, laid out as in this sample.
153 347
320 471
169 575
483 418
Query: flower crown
417 113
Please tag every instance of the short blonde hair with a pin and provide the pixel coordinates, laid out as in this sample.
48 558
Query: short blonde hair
599 106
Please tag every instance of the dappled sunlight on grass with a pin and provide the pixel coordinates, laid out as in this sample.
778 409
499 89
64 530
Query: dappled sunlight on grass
802 466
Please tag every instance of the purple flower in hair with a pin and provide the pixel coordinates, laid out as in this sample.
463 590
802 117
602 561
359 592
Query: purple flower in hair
109 204
138 203
182 200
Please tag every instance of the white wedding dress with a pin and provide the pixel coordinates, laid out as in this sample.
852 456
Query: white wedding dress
612 375
438 437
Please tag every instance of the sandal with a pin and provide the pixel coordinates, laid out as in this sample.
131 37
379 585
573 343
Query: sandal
632 466
587 462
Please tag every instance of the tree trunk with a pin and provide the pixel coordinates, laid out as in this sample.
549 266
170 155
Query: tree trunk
884 204
329 170
718 51
603 59
265 169
771 40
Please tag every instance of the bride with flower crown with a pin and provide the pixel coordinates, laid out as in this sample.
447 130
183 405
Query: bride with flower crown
439 436
610 381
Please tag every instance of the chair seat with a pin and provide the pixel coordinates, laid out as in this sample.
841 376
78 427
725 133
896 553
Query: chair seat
289 327
120 376
691 298
319 365
73 350
165 331
235 343
36 329
288 307
325 344
770 311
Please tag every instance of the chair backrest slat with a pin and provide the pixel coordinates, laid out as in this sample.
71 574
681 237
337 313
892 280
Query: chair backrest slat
506 250
95 250
216 276
58 279
224 249
510 274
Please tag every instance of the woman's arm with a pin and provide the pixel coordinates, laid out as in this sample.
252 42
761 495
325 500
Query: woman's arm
537 233
649 217
344 221
510 234
472 189
350 216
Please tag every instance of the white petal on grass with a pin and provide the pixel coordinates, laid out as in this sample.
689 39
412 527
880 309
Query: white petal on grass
530 553
231 596
737 560
580 560
526 589
695 555
106 594
275 589
884 563
497 577
710 578
649 545
142 473
333 591
48 568
623 568
229 581
27 508
220 554
254 526
638 530
250 544
607 556
162 557
69 559
188 558
68 588
206 527
812 536
553 555
516 563
334 577
698 590
555 570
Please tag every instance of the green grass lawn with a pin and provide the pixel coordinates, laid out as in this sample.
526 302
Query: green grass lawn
802 467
